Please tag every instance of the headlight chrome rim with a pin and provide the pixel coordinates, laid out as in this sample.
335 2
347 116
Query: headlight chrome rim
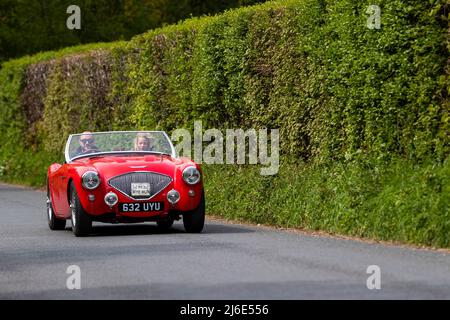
191 175
85 182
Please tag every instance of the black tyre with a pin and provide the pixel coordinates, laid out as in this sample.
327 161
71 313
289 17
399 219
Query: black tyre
165 224
54 223
81 222
195 220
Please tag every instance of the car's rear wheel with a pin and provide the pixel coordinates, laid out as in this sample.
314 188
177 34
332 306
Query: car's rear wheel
165 224
81 222
54 223
195 220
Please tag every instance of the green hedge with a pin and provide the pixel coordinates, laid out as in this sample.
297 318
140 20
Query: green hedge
343 96
398 201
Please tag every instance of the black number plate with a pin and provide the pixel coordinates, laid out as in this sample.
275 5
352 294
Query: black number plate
141 206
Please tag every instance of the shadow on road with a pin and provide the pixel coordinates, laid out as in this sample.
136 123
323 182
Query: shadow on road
129 230
109 230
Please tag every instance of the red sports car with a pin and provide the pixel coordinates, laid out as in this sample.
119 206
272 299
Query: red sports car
124 177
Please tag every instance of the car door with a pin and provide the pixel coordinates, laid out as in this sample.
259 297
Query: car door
61 203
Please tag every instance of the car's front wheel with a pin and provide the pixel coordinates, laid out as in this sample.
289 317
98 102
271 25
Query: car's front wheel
195 220
53 222
81 222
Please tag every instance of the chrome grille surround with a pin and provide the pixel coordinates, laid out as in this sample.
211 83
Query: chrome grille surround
122 183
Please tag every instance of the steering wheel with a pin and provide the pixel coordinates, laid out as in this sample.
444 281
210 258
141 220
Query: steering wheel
92 150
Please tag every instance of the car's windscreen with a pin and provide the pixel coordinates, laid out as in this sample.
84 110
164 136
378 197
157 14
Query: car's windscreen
88 144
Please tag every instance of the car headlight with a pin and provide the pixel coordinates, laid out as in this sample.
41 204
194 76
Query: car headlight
90 180
191 175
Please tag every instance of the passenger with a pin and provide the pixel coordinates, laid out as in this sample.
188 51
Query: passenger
143 142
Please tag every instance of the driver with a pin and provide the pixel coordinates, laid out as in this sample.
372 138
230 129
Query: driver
87 144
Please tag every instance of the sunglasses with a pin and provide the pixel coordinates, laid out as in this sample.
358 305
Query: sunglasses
87 140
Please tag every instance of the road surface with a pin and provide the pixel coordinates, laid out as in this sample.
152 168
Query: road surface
226 261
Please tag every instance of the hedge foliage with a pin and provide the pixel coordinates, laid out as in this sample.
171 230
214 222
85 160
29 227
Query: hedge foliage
399 201
341 93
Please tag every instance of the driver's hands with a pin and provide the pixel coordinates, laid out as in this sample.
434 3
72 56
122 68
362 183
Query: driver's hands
91 150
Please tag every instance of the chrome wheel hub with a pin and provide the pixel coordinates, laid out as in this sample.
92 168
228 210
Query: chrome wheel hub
49 209
73 216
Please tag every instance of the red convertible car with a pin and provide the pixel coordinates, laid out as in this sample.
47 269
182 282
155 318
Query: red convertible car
124 177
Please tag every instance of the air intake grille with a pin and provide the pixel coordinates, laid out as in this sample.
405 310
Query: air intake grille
157 183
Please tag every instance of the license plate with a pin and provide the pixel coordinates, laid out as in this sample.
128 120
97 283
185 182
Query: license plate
141 206
140 189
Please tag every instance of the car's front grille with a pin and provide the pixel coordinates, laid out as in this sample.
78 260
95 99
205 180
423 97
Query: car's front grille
157 182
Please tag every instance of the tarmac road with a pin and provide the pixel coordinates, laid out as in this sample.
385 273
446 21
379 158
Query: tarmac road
226 261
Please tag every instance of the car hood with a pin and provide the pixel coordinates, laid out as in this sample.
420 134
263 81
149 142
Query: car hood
111 166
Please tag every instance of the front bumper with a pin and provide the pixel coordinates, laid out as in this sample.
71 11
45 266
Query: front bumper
94 204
